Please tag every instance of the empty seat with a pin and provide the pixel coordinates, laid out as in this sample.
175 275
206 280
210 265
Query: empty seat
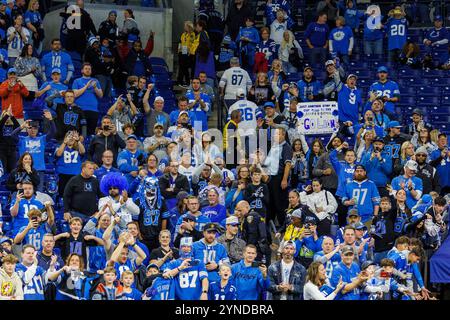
429 100
428 91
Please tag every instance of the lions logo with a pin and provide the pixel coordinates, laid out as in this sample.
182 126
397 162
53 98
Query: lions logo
338 36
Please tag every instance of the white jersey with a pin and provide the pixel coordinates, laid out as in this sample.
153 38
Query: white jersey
249 112
233 79
17 43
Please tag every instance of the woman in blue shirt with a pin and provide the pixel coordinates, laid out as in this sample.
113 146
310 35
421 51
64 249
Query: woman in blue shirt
69 157
33 21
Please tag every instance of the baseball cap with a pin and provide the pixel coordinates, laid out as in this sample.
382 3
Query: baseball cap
438 18
240 93
382 69
290 243
422 149
353 212
158 125
397 11
152 265
233 220
297 213
182 195
190 216
186 241
92 40
4 240
269 104
112 12
310 220
351 75
210 227
411 165
159 98
183 112
56 70
367 264
347 249
394 124
329 62
131 136
359 226
226 39
378 139
360 166
307 67
417 111
12 70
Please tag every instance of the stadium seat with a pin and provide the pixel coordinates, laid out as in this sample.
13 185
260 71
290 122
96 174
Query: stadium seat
428 91
429 100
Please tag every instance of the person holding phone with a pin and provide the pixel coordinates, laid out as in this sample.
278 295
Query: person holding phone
12 92
317 286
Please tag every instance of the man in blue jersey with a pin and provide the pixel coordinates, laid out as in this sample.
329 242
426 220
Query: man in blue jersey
53 88
34 232
223 289
309 88
341 41
199 104
440 159
87 91
436 40
329 256
33 276
24 202
412 185
160 288
349 104
344 169
193 206
131 159
214 211
59 59
210 252
393 140
190 277
362 194
387 90
249 276
396 29
351 275
316 35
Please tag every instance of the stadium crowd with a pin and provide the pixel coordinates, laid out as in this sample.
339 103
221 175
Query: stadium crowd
112 192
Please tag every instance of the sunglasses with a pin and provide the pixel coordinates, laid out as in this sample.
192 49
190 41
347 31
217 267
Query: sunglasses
421 155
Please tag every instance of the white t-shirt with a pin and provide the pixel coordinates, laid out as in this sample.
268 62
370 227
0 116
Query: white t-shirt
285 272
276 31
249 111
233 79
17 43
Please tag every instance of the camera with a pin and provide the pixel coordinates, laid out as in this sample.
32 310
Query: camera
370 119
257 264
308 225
106 128
384 274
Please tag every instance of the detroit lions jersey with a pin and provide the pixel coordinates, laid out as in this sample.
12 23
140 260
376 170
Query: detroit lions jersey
249 113
33 289
188 282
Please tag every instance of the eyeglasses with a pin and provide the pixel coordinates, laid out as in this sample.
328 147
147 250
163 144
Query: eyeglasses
421 155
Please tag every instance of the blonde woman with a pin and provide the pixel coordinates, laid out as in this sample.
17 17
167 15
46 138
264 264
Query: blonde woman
262 90
407 152
290 52
186 54
277 76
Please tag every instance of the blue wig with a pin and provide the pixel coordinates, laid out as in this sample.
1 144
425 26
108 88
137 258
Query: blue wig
113 179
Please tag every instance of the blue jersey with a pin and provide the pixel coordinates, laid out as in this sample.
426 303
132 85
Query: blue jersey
340 39
128 161
388 89
33 17
317 33
438 35
269 48
366 195
133 295
35 236
161 289
353 17
397 30
55 88
102 171
21 220
199 224
216 213
217 292
372 28
330 264
251 33
399 257
57 59
443 168
129 265
36 147
69 162
34 288
214 252
197 112
348 275
272 8
349 104
416 183
88 100
227 52
249 281
344 172
188 282
306 89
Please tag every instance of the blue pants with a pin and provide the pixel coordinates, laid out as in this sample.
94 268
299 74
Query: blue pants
373 47
318 55
378 256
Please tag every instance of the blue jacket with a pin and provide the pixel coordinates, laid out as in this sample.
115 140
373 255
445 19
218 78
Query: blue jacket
127 162
248 281
313 87
344 172
442 167
378 171
296 278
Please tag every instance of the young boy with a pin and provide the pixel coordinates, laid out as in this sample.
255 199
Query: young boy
257 193
382 230
129 293
160 288
10 283
223 290
111 289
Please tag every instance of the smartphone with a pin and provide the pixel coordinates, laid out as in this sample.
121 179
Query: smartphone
256 264
384 274
20 191
34 219
194 263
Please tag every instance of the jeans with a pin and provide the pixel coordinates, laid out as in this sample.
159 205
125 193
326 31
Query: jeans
288 67
105 84
378 256
373 47
318 55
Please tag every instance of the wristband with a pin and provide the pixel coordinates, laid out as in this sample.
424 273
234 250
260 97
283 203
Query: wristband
204 291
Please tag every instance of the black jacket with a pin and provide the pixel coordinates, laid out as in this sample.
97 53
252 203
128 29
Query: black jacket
68 118
100 143
430 178
236 19
82 195
130 62
181 184
16 177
